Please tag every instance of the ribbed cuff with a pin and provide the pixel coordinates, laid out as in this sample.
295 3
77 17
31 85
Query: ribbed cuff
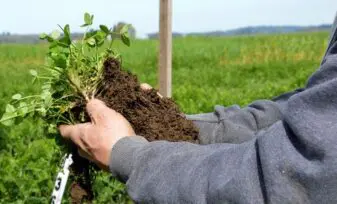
121 158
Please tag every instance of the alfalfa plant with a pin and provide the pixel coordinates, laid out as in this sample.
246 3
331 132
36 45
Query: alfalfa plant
72 74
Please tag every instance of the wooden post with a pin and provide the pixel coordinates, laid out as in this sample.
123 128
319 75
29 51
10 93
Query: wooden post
165 48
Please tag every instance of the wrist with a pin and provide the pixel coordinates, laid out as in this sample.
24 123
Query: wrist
122 155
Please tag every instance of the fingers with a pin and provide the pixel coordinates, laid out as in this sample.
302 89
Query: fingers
97 111
74 133
161 96
67 130
147 87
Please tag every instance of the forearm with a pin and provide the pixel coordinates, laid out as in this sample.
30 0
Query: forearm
268 169
164 172
236 125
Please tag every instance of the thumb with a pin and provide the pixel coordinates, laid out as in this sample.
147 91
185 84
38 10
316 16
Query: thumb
97 111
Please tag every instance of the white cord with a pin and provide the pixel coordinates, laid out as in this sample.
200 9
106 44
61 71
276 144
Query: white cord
61 180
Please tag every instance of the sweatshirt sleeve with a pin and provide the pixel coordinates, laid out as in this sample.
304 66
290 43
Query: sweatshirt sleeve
292 161
234 124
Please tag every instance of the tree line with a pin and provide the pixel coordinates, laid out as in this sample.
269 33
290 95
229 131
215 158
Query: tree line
7 37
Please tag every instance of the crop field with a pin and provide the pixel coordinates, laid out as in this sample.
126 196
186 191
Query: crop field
206 72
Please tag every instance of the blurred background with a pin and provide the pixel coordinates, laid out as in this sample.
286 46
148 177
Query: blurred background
212 17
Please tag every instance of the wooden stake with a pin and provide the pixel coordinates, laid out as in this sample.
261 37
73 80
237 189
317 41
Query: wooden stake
165 48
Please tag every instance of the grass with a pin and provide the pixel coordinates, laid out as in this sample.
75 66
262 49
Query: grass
206 72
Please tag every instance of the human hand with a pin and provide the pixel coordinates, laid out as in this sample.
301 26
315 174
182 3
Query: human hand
145 87
96 139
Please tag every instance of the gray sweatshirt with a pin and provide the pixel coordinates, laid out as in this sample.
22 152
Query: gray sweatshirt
273 151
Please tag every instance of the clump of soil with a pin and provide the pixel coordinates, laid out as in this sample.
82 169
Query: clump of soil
151 116
78 193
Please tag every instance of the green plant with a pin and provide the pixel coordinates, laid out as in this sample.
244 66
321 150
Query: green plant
73 72
70 77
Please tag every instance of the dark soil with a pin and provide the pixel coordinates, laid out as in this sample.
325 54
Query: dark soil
78 193
80 189
151 116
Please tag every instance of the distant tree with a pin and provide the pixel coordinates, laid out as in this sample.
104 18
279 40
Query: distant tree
156 35
119 26
6 33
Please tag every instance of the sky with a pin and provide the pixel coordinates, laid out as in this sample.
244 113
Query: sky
37 16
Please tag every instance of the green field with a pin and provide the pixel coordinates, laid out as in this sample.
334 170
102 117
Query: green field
206 72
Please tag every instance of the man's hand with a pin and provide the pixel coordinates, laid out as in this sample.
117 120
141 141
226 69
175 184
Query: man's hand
96 139
147 87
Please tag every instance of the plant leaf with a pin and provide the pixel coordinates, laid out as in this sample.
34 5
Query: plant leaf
100 38
92 19
8 118
125 39
91 41
43 36
23 108
55 34
101 34
53 44
42 111
17 97
64 42
87 19
48 102
46 86
100 43
105 29
33 72
52 129
66 30
50 39
10 108
45 94
125 29
90 34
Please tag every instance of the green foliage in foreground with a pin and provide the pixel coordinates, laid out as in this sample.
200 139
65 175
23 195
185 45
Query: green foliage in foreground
206 71
73 73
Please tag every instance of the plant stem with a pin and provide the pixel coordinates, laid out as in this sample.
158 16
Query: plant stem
78 89
26 97
53 68
84 36
63 97
97 61
2 120
111 41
